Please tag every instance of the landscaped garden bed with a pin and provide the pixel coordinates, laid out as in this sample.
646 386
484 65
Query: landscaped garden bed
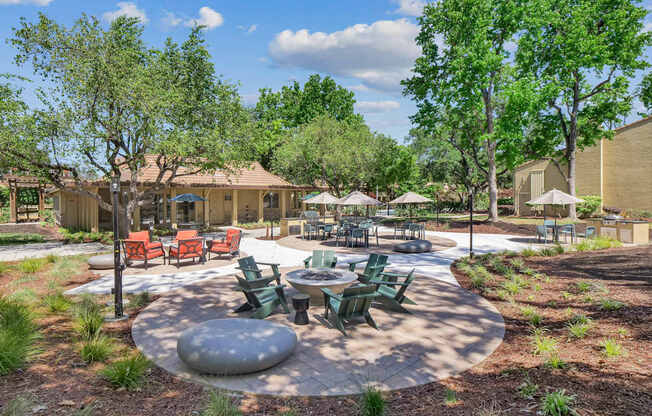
587 314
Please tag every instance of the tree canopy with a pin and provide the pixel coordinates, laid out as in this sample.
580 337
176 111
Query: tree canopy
277 113
582 55
111 100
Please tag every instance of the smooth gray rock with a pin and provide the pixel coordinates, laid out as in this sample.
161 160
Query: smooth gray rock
414 246
101 262
235 346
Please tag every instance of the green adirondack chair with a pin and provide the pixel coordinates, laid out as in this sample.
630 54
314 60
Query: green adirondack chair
251 272
263 300
354 302
390 297
321 259
376 263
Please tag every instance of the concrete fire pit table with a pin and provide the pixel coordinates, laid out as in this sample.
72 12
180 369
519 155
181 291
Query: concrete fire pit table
311 281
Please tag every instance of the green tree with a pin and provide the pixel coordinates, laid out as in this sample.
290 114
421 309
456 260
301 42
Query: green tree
111 100
393 167
645 92
465 66
582 54
277 113
327 151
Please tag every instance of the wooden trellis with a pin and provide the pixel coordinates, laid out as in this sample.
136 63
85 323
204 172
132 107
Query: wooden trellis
26 182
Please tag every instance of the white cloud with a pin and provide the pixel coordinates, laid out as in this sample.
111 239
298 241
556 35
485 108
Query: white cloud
358 88
208 18
171 19
410 7
249 100
380 55
376 106
35 2
126 8
248 29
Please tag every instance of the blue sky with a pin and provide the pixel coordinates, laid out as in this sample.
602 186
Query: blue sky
367 46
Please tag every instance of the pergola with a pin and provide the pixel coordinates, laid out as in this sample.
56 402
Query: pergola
25 182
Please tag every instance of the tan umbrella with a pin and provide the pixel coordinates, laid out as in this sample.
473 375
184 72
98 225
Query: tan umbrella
411 198
322 199
555 197
358 198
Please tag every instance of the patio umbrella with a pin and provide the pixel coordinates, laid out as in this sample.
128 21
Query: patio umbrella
411 198
358 198
555 197
322 199
187 198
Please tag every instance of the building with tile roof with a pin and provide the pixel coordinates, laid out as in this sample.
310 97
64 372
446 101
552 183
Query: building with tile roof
243 195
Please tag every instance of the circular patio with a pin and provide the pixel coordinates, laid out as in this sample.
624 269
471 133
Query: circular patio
449 331
386 243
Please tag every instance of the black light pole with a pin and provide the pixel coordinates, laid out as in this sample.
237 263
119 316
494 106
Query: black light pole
117 263
471 224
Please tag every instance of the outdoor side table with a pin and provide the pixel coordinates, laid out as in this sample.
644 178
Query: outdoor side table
301 303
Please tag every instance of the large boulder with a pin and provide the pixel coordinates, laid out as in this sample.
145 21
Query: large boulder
235 346
414 246
101 262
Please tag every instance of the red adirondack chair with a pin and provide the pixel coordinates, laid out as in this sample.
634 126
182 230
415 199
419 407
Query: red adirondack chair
231 245
189 248
137 247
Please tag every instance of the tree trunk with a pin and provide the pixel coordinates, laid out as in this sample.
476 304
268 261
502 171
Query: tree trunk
492 181
571 156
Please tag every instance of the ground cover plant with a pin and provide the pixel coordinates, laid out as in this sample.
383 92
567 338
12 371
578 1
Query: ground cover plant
509 381
7 239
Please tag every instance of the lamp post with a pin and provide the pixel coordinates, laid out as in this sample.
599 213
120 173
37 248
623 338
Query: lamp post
117 263
471 222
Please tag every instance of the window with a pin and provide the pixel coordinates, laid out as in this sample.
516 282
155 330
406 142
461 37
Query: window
270 200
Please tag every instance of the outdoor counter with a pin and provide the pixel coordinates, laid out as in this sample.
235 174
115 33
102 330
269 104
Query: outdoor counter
294 226
626 231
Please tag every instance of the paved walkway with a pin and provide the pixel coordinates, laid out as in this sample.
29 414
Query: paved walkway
449 331
435 265
24 251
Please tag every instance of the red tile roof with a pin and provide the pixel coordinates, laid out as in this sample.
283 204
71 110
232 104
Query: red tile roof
254 177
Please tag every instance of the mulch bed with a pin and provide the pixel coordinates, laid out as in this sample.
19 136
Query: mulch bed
49 233
61 382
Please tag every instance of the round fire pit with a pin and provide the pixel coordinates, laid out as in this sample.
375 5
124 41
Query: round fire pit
311 281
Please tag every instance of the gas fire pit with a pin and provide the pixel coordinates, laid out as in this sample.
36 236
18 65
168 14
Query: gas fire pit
311 281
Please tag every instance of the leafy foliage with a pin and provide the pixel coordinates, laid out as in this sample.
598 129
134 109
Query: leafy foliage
589 207
371 403
18 333
557 403
220 404
96 349
128 373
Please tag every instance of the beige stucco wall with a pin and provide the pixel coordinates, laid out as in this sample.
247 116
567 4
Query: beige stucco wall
627 168
589 179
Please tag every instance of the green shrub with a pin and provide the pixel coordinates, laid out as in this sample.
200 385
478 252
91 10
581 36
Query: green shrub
24 296
451 397
598 243
18 333
529 252
128 373
557 404
96 349
219 403
580 319
10 239
555 361
20 406
56 301
89 318
31 265
512 287
611 348
547 252
543 345
611 305
589 207
518 264
527 389
139 300
583 287
371 403
578 330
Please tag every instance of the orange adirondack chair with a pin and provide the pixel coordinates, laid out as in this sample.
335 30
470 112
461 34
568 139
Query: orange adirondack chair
137 247
231 245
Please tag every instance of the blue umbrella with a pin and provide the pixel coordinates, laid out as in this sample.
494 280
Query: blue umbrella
187 198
